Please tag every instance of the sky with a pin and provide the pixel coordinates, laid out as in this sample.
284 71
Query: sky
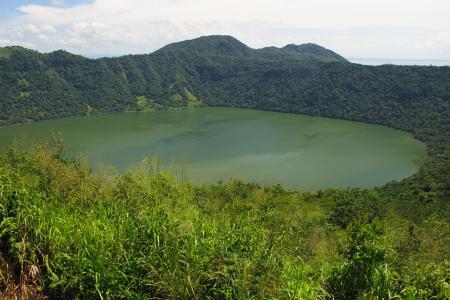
396 29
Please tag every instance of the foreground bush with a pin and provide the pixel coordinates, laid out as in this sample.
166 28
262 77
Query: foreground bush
68 233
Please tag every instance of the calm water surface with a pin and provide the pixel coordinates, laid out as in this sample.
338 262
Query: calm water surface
214 144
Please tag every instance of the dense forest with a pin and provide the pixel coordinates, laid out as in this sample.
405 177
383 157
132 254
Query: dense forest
69 233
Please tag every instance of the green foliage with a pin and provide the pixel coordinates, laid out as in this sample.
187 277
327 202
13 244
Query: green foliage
89 110
23 83
356 205
364 272
143 235
176 99
192 100
24 95
5 52
144 104
429 281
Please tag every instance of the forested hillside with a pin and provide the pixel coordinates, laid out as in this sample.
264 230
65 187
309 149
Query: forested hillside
37 86
68 233
221 71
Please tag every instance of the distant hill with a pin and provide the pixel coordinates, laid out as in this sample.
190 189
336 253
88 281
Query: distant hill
305 50
216 45
220 45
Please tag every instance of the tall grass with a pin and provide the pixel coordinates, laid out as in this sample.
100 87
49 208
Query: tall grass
68 233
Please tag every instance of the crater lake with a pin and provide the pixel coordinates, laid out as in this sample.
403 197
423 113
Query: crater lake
207 145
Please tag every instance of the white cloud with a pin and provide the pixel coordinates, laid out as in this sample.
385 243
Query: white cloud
30 28
382 28
48 28
5 43
43 37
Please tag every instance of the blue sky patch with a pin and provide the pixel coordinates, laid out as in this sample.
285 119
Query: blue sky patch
8 9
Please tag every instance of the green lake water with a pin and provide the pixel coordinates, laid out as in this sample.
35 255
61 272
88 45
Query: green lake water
211 144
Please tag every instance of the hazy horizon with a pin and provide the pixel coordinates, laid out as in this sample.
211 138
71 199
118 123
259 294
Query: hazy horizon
373 29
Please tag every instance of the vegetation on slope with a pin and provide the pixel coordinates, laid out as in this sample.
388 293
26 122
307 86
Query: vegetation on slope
37 86
68 233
